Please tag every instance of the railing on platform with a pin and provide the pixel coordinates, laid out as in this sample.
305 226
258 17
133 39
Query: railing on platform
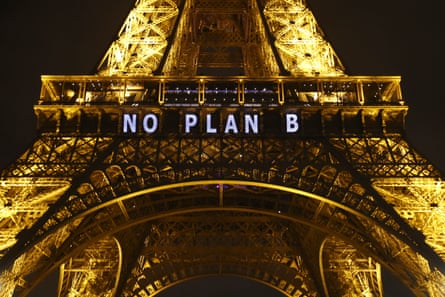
221 91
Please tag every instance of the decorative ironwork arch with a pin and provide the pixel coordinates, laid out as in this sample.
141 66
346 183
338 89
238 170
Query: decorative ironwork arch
331 199
299 206
301 180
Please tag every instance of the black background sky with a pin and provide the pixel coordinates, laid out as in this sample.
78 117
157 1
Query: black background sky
380 37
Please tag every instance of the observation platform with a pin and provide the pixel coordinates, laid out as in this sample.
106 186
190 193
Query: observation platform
220 91
325 106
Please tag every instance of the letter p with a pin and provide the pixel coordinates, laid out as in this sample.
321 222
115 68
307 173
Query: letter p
191 120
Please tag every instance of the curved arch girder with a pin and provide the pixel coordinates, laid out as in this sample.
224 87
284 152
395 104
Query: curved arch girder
294 163
335 221
307 165
182 247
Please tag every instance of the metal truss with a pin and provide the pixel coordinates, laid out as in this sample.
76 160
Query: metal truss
299 40
183 247
360 274
80 182
317 213
57 156
212 34
378 157
92 272
421 203
142 40
329 197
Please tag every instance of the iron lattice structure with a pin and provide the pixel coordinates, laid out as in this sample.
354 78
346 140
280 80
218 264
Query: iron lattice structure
221 138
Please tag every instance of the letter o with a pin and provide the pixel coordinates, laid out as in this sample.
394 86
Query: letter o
150 123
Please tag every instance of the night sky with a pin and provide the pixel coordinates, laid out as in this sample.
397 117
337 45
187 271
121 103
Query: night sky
380 37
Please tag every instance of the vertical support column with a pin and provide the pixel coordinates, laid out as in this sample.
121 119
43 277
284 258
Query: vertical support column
280 92
360 94
161 92
240 92
201 91
343 263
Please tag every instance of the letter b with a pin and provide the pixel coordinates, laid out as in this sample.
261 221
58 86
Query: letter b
292 123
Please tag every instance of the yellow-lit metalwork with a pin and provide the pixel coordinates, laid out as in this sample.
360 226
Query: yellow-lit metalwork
361 274
300 41
120 209
142 40
213 34
156 91
93 272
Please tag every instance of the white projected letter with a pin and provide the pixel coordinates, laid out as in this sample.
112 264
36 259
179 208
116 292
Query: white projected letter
129 123
190 121
291 123
231 125
251 123
209 128
150 123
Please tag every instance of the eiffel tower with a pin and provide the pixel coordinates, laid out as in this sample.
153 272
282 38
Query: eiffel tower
221 138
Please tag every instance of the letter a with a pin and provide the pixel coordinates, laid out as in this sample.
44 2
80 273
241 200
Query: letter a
231 125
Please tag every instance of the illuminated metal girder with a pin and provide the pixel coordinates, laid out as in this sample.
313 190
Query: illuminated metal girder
299 40
142 41
93 272
182 247
232 35
315 213
118 180
360 276
421 202
23 201
115 182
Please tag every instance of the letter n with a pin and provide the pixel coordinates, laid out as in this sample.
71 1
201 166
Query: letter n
129 123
